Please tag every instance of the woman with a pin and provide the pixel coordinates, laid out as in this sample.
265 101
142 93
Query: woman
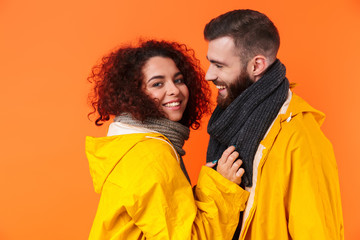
156 91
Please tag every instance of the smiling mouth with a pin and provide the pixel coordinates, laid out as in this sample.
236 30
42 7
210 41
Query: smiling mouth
172 104
220 87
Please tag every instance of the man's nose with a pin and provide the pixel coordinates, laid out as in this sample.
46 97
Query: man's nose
210 74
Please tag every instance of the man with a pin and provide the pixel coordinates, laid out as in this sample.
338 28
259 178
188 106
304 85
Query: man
290 168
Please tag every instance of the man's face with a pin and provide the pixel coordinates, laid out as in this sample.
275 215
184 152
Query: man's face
226 70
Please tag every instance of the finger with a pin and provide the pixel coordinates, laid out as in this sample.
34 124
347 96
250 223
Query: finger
231 160
240 172
236 165
226 154
232 157
210 164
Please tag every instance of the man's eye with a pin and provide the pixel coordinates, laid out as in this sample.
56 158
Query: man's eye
218 66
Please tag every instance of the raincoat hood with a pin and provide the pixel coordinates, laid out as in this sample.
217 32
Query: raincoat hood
101 163
299 106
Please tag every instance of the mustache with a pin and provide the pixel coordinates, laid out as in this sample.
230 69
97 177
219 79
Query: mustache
217 82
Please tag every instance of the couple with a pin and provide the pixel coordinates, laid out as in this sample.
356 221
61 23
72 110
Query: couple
284 187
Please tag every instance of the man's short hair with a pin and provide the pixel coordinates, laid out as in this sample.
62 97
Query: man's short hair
253 33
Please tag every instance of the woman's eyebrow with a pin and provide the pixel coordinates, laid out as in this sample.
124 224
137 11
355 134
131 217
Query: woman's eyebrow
162 76
177 74
156 77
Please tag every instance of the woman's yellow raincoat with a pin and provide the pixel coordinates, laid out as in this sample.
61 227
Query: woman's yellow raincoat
145 195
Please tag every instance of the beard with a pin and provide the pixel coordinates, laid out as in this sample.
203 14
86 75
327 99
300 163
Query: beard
235 89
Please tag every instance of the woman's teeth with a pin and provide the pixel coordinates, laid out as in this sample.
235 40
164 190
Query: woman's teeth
172 104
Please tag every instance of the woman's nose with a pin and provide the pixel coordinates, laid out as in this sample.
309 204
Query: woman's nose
173 89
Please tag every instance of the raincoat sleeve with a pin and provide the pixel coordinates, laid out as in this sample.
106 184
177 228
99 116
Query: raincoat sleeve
314 204
161 201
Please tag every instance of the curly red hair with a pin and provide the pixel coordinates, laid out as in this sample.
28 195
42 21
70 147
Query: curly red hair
118 83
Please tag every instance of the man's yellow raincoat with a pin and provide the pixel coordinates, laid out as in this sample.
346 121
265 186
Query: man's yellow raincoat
296 193
145 195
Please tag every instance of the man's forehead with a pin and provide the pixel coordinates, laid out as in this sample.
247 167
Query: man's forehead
221 49
224 41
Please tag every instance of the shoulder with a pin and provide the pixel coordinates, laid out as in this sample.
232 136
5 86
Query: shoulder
152 158
302 122
299 132
155 147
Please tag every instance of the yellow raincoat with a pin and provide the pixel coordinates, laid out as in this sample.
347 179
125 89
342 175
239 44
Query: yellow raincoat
145 195
296 193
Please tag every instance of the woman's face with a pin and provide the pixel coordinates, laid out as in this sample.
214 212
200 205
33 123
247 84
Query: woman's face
164 83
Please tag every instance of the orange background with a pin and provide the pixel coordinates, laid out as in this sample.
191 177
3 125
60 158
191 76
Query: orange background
47 49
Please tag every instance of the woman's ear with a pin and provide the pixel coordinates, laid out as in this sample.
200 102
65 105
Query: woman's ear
257 67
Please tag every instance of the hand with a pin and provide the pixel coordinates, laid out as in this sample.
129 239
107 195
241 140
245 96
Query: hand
229 165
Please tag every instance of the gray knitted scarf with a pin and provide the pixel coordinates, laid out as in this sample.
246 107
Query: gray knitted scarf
174 131
245 121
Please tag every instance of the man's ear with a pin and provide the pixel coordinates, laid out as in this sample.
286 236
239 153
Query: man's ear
257 67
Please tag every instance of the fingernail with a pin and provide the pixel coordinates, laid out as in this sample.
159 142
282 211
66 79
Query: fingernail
215 161
234 145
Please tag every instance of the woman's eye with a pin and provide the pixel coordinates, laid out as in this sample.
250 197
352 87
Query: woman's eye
179 80
157 84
